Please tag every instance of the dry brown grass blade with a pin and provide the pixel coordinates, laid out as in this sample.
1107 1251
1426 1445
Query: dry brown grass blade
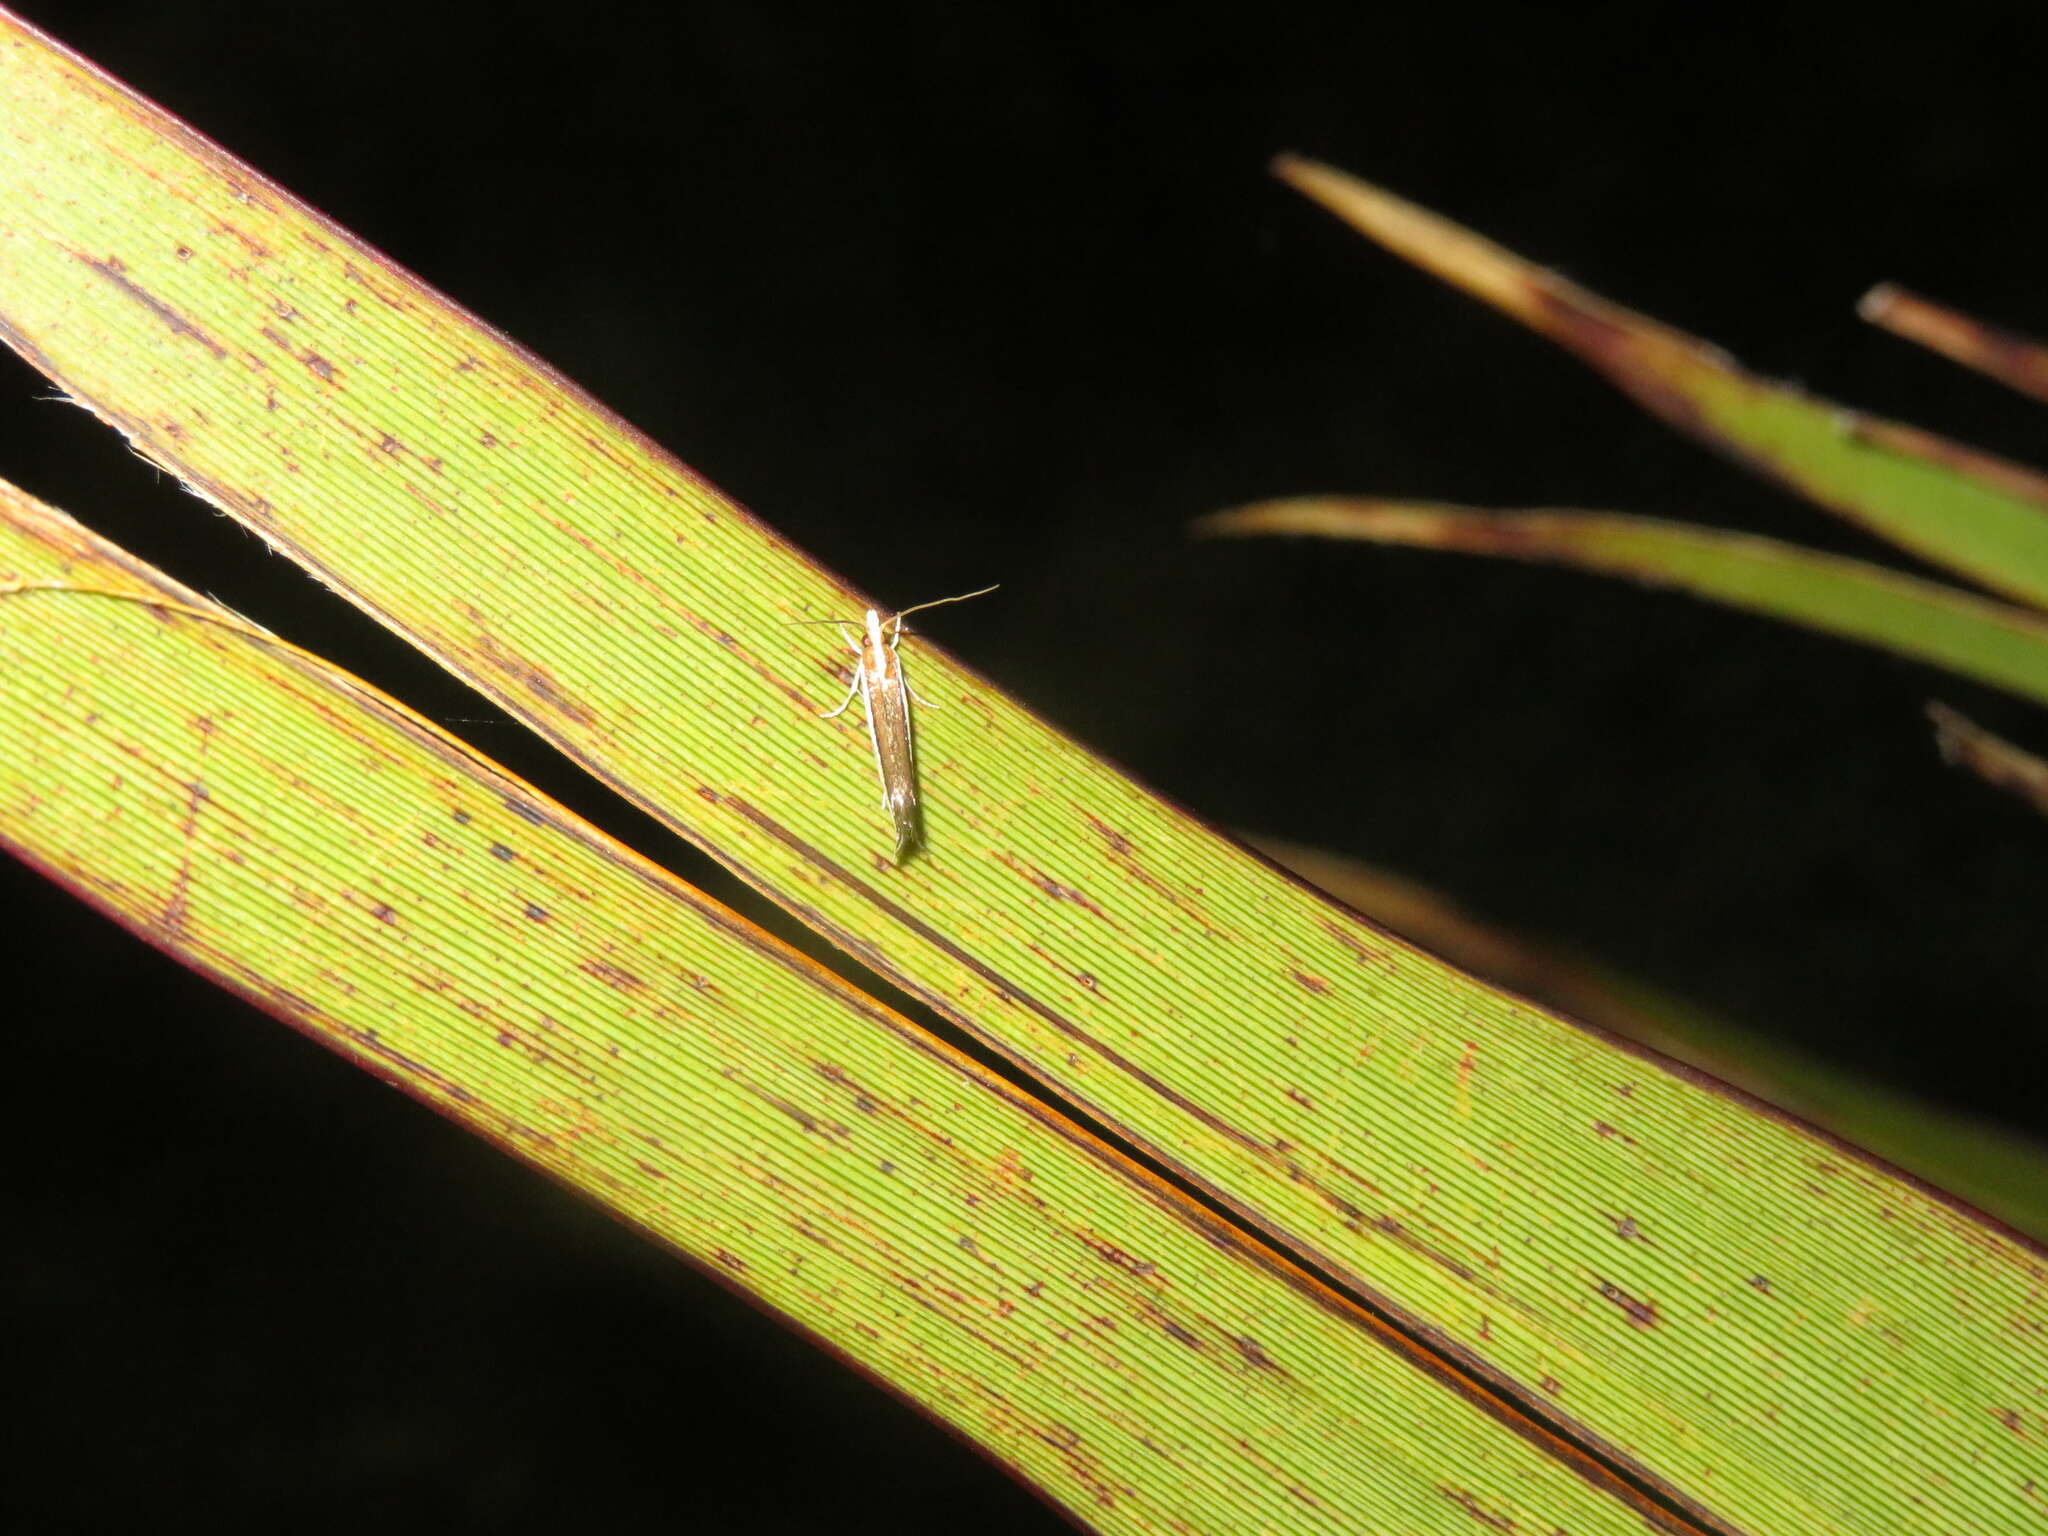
2016 361
1992 758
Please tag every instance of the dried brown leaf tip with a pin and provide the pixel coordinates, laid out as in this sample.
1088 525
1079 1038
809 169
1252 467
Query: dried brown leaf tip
1638 353
1992 758
2016 361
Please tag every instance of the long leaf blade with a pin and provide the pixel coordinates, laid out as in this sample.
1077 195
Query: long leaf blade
1925 621
341 863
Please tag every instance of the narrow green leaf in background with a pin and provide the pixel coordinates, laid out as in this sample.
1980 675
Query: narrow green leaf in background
1978 637
1981 516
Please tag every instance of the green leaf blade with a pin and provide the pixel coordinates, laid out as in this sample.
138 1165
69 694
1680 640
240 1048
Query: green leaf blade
1976 637
334 859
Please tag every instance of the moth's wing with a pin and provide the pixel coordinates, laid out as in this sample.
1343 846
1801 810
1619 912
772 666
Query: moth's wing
895 757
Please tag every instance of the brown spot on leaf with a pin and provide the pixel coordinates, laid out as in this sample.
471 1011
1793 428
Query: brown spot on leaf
796 1112
318 365
1047 884
116 272
612 975
1254 1354
1117 1256
247 241
1361 951
863 1101
534 679
1471 1505
1640 1314
400 1066
1387 1226
179 903
1118 843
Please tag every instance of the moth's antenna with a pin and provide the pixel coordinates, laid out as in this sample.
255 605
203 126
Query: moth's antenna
940 602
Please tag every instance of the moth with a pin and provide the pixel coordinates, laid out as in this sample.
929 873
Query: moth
885 696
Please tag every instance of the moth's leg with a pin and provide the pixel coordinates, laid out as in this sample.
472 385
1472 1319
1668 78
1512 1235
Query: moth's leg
853 687
894 640
852 692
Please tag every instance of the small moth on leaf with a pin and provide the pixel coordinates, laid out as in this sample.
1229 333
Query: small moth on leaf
879 684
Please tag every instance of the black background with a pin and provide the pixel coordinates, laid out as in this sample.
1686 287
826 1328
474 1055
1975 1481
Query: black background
958 294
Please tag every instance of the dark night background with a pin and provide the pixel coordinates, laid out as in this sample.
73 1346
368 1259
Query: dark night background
958 294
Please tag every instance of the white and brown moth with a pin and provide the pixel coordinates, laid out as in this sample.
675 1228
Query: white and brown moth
885 697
